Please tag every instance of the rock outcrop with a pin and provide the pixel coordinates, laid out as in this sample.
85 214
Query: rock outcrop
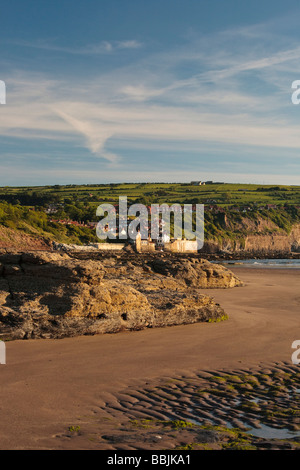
259 237
54 295
12 239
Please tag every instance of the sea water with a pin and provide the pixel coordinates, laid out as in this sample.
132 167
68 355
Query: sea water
262 263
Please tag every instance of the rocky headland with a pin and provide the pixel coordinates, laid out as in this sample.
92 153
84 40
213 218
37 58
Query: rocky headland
56 295
257 237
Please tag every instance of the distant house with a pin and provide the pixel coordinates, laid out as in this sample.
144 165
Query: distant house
73 222
51 209
197 183
156 209
213 182
92 224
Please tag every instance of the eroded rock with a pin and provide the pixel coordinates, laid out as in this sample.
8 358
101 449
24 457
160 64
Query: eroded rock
53 295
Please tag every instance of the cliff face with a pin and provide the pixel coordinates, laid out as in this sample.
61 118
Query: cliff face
261 236
275 241
12 239
52 295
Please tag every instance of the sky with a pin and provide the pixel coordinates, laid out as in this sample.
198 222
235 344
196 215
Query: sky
107 91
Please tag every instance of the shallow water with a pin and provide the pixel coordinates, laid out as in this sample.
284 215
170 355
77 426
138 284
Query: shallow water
268 432
264 431
262 263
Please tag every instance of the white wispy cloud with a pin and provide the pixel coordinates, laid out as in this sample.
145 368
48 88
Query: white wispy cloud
102 47
95 134
189 96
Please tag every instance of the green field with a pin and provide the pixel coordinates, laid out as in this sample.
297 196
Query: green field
222 194
39 210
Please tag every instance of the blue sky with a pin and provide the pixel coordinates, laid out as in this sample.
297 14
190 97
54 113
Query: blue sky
132 90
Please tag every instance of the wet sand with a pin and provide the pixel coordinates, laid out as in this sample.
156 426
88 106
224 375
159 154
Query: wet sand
48 387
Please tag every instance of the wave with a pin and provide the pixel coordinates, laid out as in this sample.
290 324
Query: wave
272 263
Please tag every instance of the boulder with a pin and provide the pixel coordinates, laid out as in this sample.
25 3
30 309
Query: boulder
53 295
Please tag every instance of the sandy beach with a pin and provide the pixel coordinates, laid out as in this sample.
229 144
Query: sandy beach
71 393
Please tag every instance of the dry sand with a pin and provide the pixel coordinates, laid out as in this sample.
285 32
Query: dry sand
49 385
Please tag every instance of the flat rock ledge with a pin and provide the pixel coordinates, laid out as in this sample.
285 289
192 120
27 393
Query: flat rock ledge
57 295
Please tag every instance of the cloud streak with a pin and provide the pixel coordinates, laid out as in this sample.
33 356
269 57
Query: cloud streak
226 93
94 134
104 47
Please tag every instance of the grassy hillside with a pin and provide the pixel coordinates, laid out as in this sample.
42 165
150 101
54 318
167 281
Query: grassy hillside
36 223
93 195
39 211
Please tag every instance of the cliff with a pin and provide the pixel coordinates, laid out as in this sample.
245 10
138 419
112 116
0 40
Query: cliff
253 235
13 239
53 295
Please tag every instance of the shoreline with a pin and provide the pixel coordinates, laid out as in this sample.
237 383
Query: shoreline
246 255
209 255
263 263
47 385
